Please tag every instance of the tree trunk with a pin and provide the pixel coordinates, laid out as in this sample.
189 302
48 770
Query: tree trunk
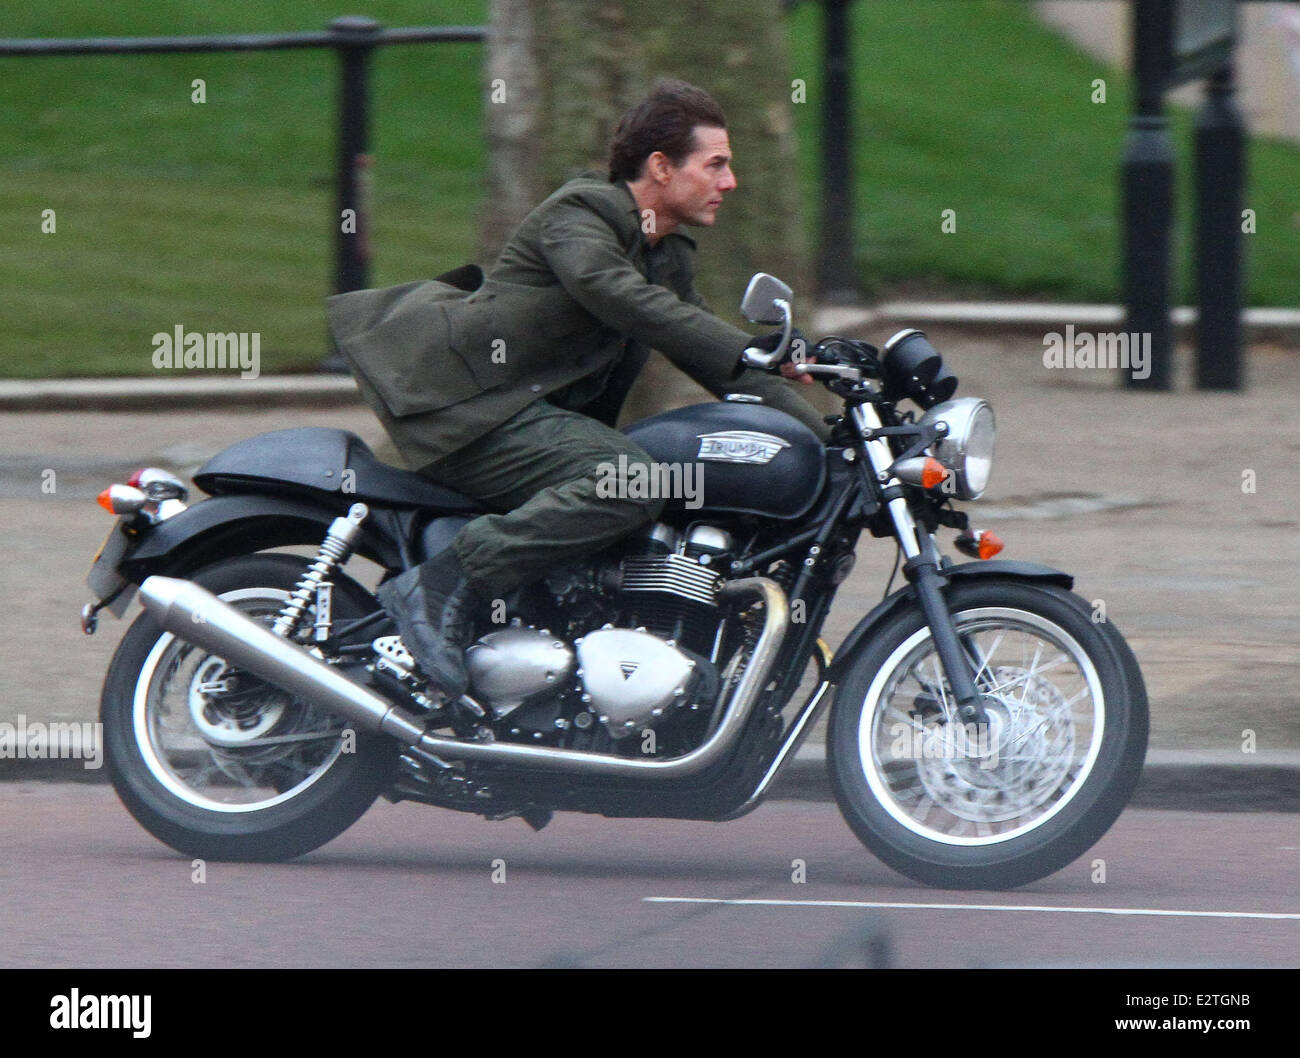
511 123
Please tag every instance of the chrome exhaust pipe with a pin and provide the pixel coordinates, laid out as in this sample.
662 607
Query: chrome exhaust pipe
196 615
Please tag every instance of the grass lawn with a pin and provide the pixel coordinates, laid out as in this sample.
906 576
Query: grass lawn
219 216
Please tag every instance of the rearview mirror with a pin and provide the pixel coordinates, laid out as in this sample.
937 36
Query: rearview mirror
760 303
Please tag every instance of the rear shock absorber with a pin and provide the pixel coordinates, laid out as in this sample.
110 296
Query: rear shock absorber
334 550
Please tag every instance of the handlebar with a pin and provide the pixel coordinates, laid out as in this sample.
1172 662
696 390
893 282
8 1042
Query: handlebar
836 370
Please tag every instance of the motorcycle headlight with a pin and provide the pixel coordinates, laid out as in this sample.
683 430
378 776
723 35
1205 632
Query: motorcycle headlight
967 447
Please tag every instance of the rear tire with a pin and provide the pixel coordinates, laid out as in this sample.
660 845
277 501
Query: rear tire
174 752
1057 764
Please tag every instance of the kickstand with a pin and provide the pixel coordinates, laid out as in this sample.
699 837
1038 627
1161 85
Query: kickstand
536 817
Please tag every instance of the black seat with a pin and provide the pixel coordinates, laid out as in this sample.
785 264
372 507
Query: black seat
396 487
323 459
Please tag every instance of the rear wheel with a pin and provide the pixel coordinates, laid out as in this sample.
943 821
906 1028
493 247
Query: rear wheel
216 762
1014 800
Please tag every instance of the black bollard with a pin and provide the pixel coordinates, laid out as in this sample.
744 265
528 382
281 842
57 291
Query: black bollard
1220 150
1148 185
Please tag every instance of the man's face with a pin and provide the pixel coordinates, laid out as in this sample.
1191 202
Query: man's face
695 188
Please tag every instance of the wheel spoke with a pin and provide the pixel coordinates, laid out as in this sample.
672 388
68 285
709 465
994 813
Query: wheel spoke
939 684
905 718
988 656
1085 689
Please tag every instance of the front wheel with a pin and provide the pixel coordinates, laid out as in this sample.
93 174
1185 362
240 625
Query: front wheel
218 763
1015 799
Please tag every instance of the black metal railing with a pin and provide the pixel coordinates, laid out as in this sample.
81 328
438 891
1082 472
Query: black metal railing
353 38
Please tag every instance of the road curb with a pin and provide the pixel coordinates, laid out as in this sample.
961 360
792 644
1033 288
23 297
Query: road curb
1187 781
332 390
1179 780
1257 324
162 392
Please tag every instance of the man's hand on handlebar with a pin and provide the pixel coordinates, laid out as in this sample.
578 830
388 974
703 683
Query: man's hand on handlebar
796 353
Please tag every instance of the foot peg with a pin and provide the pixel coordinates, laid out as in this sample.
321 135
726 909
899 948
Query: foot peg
394 657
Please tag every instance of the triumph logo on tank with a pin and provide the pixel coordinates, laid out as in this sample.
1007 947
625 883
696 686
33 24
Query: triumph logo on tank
740 446
651 481
210 351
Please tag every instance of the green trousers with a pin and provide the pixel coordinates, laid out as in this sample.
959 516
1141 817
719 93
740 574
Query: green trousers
547 471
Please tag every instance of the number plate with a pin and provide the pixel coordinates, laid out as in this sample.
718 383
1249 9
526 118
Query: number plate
104 578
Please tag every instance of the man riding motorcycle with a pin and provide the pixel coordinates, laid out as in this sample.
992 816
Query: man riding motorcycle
507 388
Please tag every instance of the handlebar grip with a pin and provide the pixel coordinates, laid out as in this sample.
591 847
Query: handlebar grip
761 358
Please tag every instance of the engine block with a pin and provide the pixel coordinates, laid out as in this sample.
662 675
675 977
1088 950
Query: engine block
632 678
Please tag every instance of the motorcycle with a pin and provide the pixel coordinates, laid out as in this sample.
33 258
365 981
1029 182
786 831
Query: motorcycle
984 728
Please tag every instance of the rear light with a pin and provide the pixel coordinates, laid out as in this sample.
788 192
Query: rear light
158 484
154 494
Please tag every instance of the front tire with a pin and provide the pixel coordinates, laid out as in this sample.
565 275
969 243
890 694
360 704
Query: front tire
219 764
1026 795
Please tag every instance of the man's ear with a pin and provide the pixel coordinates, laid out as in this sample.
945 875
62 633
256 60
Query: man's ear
658 166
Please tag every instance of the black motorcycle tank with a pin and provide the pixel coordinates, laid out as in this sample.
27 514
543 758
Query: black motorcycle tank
735 458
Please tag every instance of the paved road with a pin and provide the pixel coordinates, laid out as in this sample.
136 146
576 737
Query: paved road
410 886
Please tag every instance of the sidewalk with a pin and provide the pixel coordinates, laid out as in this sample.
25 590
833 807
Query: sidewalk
1175 511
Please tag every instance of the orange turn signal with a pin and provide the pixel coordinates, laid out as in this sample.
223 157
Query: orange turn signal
927 472
933 473
105 500
979 543
990 543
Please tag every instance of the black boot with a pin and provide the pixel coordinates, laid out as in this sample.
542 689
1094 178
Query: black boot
433 607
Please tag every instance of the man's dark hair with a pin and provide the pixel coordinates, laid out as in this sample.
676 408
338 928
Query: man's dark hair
664 121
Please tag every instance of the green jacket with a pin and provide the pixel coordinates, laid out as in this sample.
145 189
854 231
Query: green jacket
569 311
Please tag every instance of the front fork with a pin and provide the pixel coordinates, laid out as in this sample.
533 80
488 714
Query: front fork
920 567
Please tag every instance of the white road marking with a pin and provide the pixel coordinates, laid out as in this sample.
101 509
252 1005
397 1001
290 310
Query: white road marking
871 905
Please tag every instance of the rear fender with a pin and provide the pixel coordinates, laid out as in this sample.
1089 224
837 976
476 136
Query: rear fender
223 526
865 629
